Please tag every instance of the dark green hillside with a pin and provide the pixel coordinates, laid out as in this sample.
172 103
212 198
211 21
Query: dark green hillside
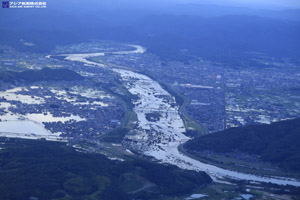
50 170
45 74
278 143
7 76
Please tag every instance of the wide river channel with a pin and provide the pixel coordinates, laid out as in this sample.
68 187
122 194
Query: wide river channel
160 139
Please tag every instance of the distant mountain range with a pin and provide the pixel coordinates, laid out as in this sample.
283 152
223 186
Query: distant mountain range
278 143
227 38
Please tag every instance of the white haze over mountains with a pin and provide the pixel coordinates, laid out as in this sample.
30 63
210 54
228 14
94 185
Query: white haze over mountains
158 4
265 4
284 4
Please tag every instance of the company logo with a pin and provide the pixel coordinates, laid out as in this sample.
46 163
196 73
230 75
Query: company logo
5 4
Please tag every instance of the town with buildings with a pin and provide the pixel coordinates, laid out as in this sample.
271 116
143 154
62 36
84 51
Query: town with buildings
215 96
146 104
219 96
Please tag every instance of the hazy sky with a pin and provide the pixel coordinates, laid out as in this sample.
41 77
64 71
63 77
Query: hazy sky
265 4
256 3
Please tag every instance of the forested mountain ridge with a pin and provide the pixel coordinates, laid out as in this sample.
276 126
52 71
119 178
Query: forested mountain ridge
278 143
228 38
45 74
51 170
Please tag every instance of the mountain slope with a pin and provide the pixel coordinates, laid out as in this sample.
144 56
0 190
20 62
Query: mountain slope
278 143
226 39
45 74
51 170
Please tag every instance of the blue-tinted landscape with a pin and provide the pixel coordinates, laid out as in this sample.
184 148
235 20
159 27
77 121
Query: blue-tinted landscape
180 100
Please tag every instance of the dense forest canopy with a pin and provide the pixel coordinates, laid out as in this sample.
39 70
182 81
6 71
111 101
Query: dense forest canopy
45 74
51 170
278 143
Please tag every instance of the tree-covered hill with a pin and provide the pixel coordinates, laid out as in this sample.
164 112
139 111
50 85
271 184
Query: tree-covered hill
45 74
51 170
278 143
